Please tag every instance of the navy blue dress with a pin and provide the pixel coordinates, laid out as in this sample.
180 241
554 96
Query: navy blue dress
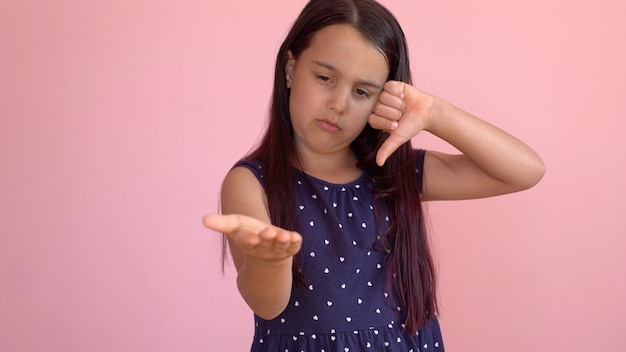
345 305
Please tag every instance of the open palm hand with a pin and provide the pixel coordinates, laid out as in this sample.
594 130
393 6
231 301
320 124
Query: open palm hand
254 237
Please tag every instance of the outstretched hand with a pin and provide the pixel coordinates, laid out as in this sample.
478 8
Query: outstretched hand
255 237
401 110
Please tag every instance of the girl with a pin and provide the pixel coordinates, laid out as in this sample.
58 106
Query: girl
323 218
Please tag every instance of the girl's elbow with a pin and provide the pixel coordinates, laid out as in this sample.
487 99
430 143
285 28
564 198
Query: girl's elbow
267 308
269 313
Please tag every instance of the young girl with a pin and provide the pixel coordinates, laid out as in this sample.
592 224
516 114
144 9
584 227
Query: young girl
324 217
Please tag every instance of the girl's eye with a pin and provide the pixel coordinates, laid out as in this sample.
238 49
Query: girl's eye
323 78
362 92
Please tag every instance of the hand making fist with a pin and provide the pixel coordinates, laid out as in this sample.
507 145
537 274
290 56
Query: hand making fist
403 111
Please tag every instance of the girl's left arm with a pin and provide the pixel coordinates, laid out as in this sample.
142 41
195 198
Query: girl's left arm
492 162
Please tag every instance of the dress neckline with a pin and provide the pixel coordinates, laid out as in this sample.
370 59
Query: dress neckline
358 180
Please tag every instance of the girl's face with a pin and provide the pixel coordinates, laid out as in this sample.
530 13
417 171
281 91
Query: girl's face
335 84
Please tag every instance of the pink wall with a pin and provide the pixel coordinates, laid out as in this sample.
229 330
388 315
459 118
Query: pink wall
119 118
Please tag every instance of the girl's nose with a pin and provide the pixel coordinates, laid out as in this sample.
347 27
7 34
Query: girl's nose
338 100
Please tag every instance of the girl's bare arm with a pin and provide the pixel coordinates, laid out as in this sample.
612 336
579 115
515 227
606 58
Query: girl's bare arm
492 162
262 253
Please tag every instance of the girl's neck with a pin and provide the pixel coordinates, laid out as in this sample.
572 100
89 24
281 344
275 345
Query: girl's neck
333 169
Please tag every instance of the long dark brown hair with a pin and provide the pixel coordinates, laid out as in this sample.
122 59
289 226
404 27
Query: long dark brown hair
395 183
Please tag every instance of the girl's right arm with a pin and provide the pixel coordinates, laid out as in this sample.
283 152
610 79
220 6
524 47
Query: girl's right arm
262 253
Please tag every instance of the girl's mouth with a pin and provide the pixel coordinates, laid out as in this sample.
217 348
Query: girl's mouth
328 125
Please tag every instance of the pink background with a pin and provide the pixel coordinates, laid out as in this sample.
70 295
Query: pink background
118 120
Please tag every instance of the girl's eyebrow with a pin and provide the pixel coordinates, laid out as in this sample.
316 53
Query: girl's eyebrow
360 81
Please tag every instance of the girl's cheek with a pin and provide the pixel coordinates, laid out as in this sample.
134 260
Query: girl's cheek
369 108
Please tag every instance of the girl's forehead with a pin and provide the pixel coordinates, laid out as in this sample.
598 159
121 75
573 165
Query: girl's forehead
345 47
343 34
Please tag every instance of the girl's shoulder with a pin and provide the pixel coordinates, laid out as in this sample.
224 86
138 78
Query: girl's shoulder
257 167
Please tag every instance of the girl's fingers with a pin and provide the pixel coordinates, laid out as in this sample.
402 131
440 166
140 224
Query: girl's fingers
282 242
389 146
229 224
222 223
268 237
395 88
392 100
254 236
380 123
388 109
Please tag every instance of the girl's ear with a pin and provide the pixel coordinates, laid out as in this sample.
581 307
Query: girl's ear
291 61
